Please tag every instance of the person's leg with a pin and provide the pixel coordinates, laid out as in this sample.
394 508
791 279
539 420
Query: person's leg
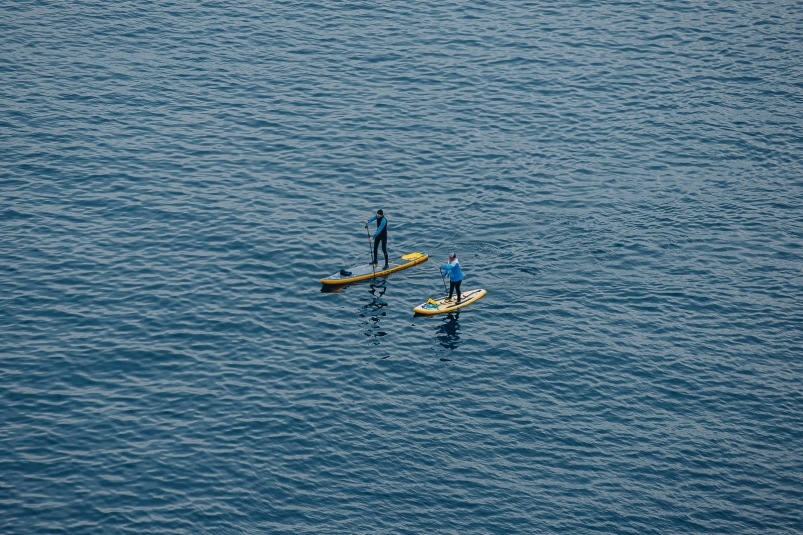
451 288
385 248
376 247
457 289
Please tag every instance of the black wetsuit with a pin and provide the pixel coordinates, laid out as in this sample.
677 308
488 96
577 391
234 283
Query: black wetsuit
381 236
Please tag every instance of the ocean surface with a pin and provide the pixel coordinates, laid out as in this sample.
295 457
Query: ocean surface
624 178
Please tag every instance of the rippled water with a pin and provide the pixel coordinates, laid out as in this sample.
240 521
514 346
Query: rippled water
624 178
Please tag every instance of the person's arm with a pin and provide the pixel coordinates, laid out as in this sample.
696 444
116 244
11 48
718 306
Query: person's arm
446 269
370 220
381 226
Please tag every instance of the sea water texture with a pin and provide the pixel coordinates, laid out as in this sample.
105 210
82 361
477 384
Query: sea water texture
624 178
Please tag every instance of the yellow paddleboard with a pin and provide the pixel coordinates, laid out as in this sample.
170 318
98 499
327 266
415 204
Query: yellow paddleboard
439 306
366 271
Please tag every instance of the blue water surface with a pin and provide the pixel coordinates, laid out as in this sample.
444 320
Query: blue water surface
623 177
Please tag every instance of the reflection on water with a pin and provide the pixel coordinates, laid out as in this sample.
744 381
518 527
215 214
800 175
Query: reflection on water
372 311
448 332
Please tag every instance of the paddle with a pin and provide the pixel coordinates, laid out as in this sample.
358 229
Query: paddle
369 249
443 280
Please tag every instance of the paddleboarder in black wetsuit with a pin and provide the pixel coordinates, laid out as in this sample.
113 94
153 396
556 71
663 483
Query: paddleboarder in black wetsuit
381 235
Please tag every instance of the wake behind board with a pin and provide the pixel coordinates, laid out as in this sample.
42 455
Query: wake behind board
366 271
444 304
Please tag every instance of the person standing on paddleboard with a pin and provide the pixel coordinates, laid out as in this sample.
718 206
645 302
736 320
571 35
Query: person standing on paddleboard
455 275
381 235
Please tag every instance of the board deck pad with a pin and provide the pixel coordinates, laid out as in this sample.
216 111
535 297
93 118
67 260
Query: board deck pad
366 271
444 304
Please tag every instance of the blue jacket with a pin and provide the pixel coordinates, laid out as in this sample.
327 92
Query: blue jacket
453 269
380 227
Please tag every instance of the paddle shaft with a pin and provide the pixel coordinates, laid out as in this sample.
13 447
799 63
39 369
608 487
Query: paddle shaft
443 280
370 250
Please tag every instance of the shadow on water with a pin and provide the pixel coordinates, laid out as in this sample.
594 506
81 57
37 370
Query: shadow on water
448 332
331 289
338 288
372 312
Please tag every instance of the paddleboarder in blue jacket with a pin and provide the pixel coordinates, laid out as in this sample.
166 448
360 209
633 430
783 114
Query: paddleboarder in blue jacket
381 235
455 275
